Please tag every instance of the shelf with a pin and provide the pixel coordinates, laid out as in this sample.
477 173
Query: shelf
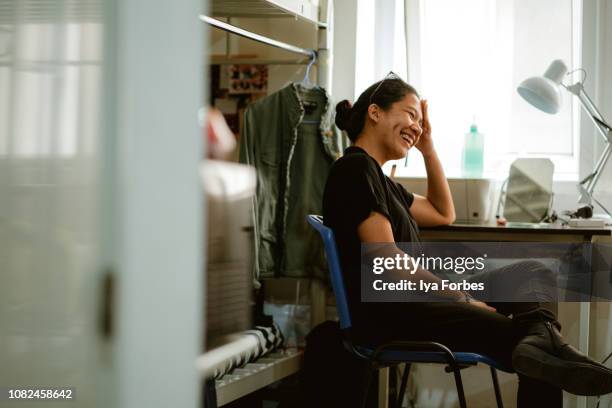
257 375
255 37
303 9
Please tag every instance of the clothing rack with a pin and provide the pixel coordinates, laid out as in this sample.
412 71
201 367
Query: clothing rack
237 61
320 56
278 365
323 22
256 37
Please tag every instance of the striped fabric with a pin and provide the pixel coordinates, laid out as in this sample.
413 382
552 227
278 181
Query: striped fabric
268 339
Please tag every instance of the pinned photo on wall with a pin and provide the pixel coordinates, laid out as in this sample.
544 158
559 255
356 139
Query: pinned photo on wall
248 78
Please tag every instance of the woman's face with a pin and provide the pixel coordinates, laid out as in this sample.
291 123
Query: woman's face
400 127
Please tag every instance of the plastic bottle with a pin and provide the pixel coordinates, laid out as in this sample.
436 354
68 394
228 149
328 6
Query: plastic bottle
473 152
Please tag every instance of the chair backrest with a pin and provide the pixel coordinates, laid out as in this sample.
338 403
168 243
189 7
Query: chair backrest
335 272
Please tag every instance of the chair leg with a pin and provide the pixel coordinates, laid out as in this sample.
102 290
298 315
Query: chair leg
459 384
367 381
498 398
402 391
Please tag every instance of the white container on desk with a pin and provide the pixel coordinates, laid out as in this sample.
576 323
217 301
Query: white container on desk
473 197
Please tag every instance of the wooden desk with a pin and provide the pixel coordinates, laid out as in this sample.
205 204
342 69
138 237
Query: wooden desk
525 233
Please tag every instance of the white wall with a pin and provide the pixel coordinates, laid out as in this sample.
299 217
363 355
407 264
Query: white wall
345 49
159 72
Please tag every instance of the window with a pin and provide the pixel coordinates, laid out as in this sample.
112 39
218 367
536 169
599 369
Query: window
468 57
379 22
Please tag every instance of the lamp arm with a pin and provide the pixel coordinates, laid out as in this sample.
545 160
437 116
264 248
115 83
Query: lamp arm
598 114
587 185
592 111
592 179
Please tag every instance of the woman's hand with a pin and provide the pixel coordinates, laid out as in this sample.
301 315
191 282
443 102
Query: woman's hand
469 299
483 305
425 142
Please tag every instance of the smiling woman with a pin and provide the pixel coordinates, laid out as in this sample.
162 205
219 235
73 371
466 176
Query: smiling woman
364 206
388 119
381 96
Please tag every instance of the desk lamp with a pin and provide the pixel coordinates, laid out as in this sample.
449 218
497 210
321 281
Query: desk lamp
544 92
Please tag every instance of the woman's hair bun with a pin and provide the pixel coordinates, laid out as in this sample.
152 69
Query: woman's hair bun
343 114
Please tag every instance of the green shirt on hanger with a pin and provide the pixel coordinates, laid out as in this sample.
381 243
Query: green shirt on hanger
291 139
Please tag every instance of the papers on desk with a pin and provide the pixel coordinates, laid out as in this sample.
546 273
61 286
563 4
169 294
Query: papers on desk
594 222
587 222
534 225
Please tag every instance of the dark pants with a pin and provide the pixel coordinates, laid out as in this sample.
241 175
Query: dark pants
465 327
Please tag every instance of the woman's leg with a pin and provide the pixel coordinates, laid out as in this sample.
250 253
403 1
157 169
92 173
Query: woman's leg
542 353
518 287
534 393
463 327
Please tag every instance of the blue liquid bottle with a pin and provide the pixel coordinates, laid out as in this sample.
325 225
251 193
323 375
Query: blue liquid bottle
473 153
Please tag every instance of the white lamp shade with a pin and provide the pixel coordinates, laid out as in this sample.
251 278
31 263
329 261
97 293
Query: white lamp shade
544 92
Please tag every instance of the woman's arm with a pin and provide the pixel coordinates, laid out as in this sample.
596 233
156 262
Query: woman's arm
437 208
377 229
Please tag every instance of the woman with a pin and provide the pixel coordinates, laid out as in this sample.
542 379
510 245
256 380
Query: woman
362 205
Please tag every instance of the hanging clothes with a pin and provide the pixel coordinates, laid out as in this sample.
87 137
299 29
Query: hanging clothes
291 139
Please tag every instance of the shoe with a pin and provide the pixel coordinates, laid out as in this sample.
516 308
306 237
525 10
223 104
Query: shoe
545 356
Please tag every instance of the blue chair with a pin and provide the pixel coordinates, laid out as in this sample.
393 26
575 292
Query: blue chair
393 353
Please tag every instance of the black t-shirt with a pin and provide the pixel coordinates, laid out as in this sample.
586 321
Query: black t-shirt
355 187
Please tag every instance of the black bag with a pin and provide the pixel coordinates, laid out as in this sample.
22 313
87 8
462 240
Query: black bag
332 376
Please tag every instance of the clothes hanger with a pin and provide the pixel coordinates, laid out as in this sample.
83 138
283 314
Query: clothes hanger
307 84
306 80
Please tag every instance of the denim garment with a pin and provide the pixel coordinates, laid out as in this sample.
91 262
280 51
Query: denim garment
291 139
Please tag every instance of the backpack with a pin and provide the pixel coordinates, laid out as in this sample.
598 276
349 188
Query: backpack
332 376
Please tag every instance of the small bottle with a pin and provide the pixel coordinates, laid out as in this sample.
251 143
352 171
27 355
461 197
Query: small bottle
473 152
